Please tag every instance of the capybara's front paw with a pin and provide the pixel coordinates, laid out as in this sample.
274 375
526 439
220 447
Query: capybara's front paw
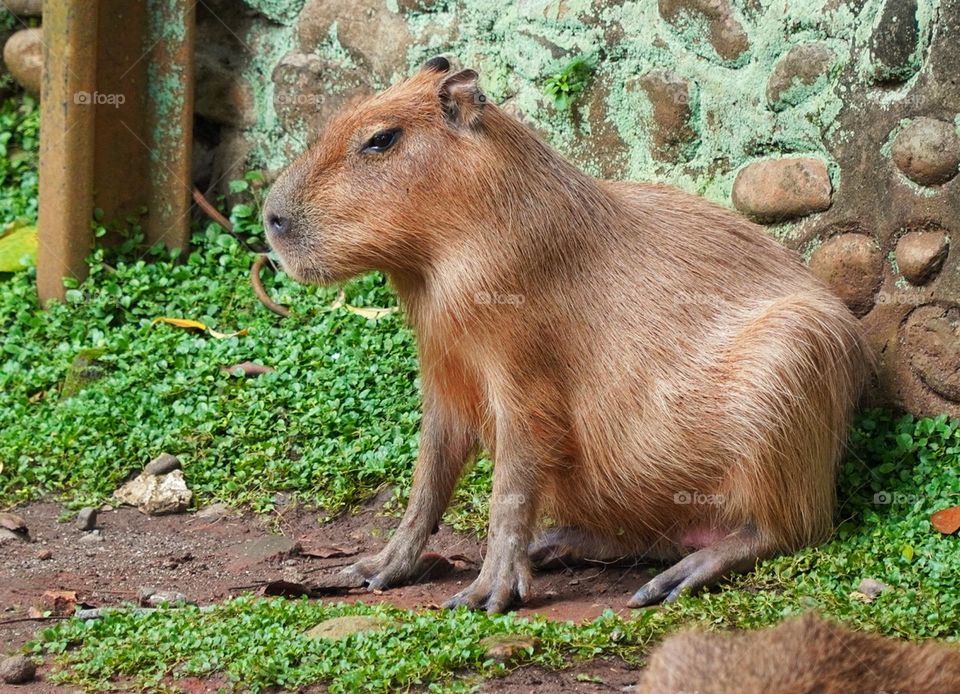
497 587
386 569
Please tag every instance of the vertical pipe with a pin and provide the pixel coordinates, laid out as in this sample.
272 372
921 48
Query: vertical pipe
170 120
66 143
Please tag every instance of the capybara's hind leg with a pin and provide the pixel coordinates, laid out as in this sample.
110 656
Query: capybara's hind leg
560 547
738 552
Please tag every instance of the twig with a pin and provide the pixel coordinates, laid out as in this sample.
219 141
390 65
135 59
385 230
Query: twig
211 211
215 214
255 281
32 619
261 293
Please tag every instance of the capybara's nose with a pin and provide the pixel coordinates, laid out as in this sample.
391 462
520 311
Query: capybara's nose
277 224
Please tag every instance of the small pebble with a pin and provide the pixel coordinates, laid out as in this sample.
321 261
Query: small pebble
162 464
871 587
506 648
213 511
165 597
87 518
17 670
90 537
44 555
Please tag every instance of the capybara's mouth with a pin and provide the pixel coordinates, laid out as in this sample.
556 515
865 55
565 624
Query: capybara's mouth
305 274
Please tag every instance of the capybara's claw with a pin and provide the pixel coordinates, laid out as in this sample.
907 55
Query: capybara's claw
493 601
669 585
495 594
699 570
381 571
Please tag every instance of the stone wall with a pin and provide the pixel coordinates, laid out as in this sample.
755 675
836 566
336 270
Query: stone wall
832 122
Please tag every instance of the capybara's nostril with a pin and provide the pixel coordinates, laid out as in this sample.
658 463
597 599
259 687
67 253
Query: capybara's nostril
277 224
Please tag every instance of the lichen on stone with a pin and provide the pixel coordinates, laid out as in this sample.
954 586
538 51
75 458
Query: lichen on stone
280 11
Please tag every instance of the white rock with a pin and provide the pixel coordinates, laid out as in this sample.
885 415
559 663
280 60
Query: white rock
155 495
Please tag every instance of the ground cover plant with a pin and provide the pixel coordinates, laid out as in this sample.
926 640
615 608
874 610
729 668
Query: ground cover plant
334 423
899 471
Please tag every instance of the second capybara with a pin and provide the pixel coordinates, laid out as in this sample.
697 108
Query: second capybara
648 370
803 654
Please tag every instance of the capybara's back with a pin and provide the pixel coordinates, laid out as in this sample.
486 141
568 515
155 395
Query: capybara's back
648 369
801 655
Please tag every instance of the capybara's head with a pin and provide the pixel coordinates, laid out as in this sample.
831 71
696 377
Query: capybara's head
384 174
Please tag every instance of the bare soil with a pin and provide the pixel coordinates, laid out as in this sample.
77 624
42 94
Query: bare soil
211 557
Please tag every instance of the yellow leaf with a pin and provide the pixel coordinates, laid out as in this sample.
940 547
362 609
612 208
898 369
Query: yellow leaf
223 336
196 325
371 312
18 247
180 322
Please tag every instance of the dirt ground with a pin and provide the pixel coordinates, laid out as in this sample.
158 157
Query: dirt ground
216 554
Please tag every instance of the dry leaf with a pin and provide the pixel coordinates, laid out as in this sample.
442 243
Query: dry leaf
338 582
329 552
196 325
371 313
12 521
947 521
287 589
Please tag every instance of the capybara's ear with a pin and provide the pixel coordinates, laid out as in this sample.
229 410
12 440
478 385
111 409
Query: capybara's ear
436 64
462 100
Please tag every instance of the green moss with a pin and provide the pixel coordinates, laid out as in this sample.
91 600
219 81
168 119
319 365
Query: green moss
280 11
731 115
518 46
273 146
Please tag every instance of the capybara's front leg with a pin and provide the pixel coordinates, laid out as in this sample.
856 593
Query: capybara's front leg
445 447
505 576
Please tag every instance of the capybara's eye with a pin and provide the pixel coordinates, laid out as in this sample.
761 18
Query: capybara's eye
382 141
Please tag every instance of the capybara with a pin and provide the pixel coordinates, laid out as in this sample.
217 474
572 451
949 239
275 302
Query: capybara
649 371
803 654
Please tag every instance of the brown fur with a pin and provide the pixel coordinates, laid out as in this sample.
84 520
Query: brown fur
805 654
613 344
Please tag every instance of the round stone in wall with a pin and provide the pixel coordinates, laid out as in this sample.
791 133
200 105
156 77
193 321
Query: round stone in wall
23 56
893 46
670 97
24 8
774 190
798 74
931 335
920 255
852 266
927 151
